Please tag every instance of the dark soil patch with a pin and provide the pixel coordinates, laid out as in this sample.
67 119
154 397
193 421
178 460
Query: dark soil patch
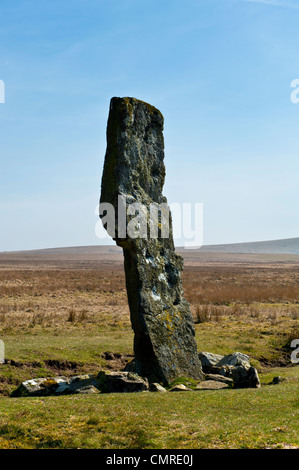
284 360
116 361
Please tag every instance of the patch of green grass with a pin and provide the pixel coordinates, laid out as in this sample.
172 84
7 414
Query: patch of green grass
74 345
229 336
188 382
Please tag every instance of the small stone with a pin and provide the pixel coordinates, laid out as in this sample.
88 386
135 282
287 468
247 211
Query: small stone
235 359
79 378
224 371
245 376
155 387
211 385
121 382
53 386
38 387
180 388
88 390
219 378
79 382
208 360
62 388
277 380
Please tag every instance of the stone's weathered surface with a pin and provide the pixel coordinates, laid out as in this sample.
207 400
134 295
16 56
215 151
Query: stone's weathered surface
155 387
211 385
235 367
164 340
180 388
208 360
225 371
219 378
217 364
234 359
245 376
55 386
105 382
88 390
121 382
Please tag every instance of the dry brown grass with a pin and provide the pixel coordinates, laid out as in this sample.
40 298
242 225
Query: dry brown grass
223 285
45 281
244 293
61 298
66 296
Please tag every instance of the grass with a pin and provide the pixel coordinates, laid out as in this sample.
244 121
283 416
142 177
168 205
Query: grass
225 418
63 320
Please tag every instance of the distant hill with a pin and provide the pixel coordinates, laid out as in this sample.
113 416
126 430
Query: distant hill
286 246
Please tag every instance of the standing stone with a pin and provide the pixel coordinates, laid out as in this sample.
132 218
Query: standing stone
164 340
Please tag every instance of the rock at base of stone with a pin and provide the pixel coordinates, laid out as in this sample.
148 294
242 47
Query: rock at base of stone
121 382
224 371
54 386
180 388
89 390
235 366
245 376
212 385
234 359
208 360
219 378
104 382
155 387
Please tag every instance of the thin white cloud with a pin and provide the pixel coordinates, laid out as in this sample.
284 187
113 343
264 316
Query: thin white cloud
276 3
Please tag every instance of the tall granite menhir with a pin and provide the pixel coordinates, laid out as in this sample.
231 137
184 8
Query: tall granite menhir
164 337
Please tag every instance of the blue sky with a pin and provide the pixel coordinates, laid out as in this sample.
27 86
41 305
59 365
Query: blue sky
219 71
